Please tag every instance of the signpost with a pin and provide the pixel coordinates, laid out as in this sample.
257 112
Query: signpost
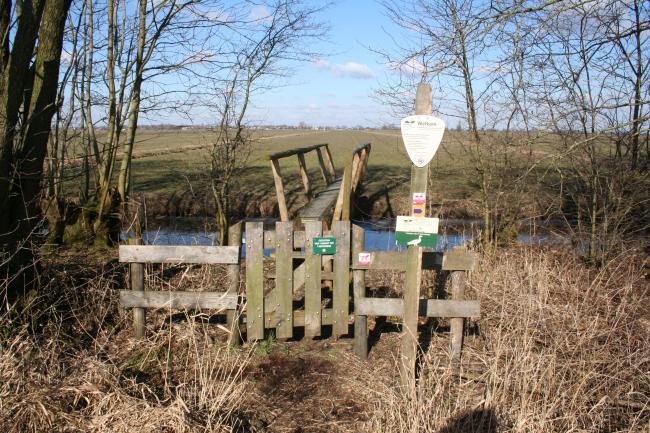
422 134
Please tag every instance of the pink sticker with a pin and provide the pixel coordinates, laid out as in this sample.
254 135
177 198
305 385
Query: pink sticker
419 198
365 259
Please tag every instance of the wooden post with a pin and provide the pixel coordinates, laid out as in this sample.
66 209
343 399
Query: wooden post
364 163
419 177
303 174
254 281
279 190
330 162
346 190
232 316
312 281
137 284
284 278
323 169
136 280
341 292
359 283
356 161
456 324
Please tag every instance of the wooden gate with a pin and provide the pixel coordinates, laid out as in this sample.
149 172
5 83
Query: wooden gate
285 288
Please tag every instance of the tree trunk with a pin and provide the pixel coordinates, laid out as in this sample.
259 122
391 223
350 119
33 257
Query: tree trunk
22 210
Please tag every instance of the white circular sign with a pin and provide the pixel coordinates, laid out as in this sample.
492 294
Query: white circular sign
422 136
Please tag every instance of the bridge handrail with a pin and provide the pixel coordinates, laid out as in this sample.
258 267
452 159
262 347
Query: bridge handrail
355 168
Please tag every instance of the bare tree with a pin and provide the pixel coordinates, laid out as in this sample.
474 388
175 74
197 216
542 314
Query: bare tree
265 47
569 76
155 39
30 55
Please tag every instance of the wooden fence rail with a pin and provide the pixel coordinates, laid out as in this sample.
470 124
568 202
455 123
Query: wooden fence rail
323 280
456 262
139 299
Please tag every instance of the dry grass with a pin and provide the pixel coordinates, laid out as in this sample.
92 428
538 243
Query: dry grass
560 347
73 368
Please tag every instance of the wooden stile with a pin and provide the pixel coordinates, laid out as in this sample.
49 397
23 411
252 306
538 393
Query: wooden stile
312 281
232 315
359 286
284 279
254 281
341 282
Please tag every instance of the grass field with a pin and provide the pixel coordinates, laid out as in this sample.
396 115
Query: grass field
175 163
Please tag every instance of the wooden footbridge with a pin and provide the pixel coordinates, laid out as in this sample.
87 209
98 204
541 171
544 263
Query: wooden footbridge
335 201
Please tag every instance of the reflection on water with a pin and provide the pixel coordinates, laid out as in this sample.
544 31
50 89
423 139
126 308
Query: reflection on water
380 234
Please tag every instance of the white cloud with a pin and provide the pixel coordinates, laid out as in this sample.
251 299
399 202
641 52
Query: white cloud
409 67
259 13
348 69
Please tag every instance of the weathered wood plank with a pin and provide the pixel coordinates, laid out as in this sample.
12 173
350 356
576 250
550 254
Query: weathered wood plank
279 190
304 175
321 205
426 307
380 307
356 162
312 281
136 276
291 152
449 308
178 300
232 316
396 261
178 254
298 239
359 287
457 324
323 170
254 281
365 155
271 318
341 281
346 190
459 259
329 162
284 279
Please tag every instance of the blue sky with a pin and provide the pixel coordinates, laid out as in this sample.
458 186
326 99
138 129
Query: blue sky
338 88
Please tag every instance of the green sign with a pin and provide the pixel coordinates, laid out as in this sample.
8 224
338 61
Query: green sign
324 246
421 232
